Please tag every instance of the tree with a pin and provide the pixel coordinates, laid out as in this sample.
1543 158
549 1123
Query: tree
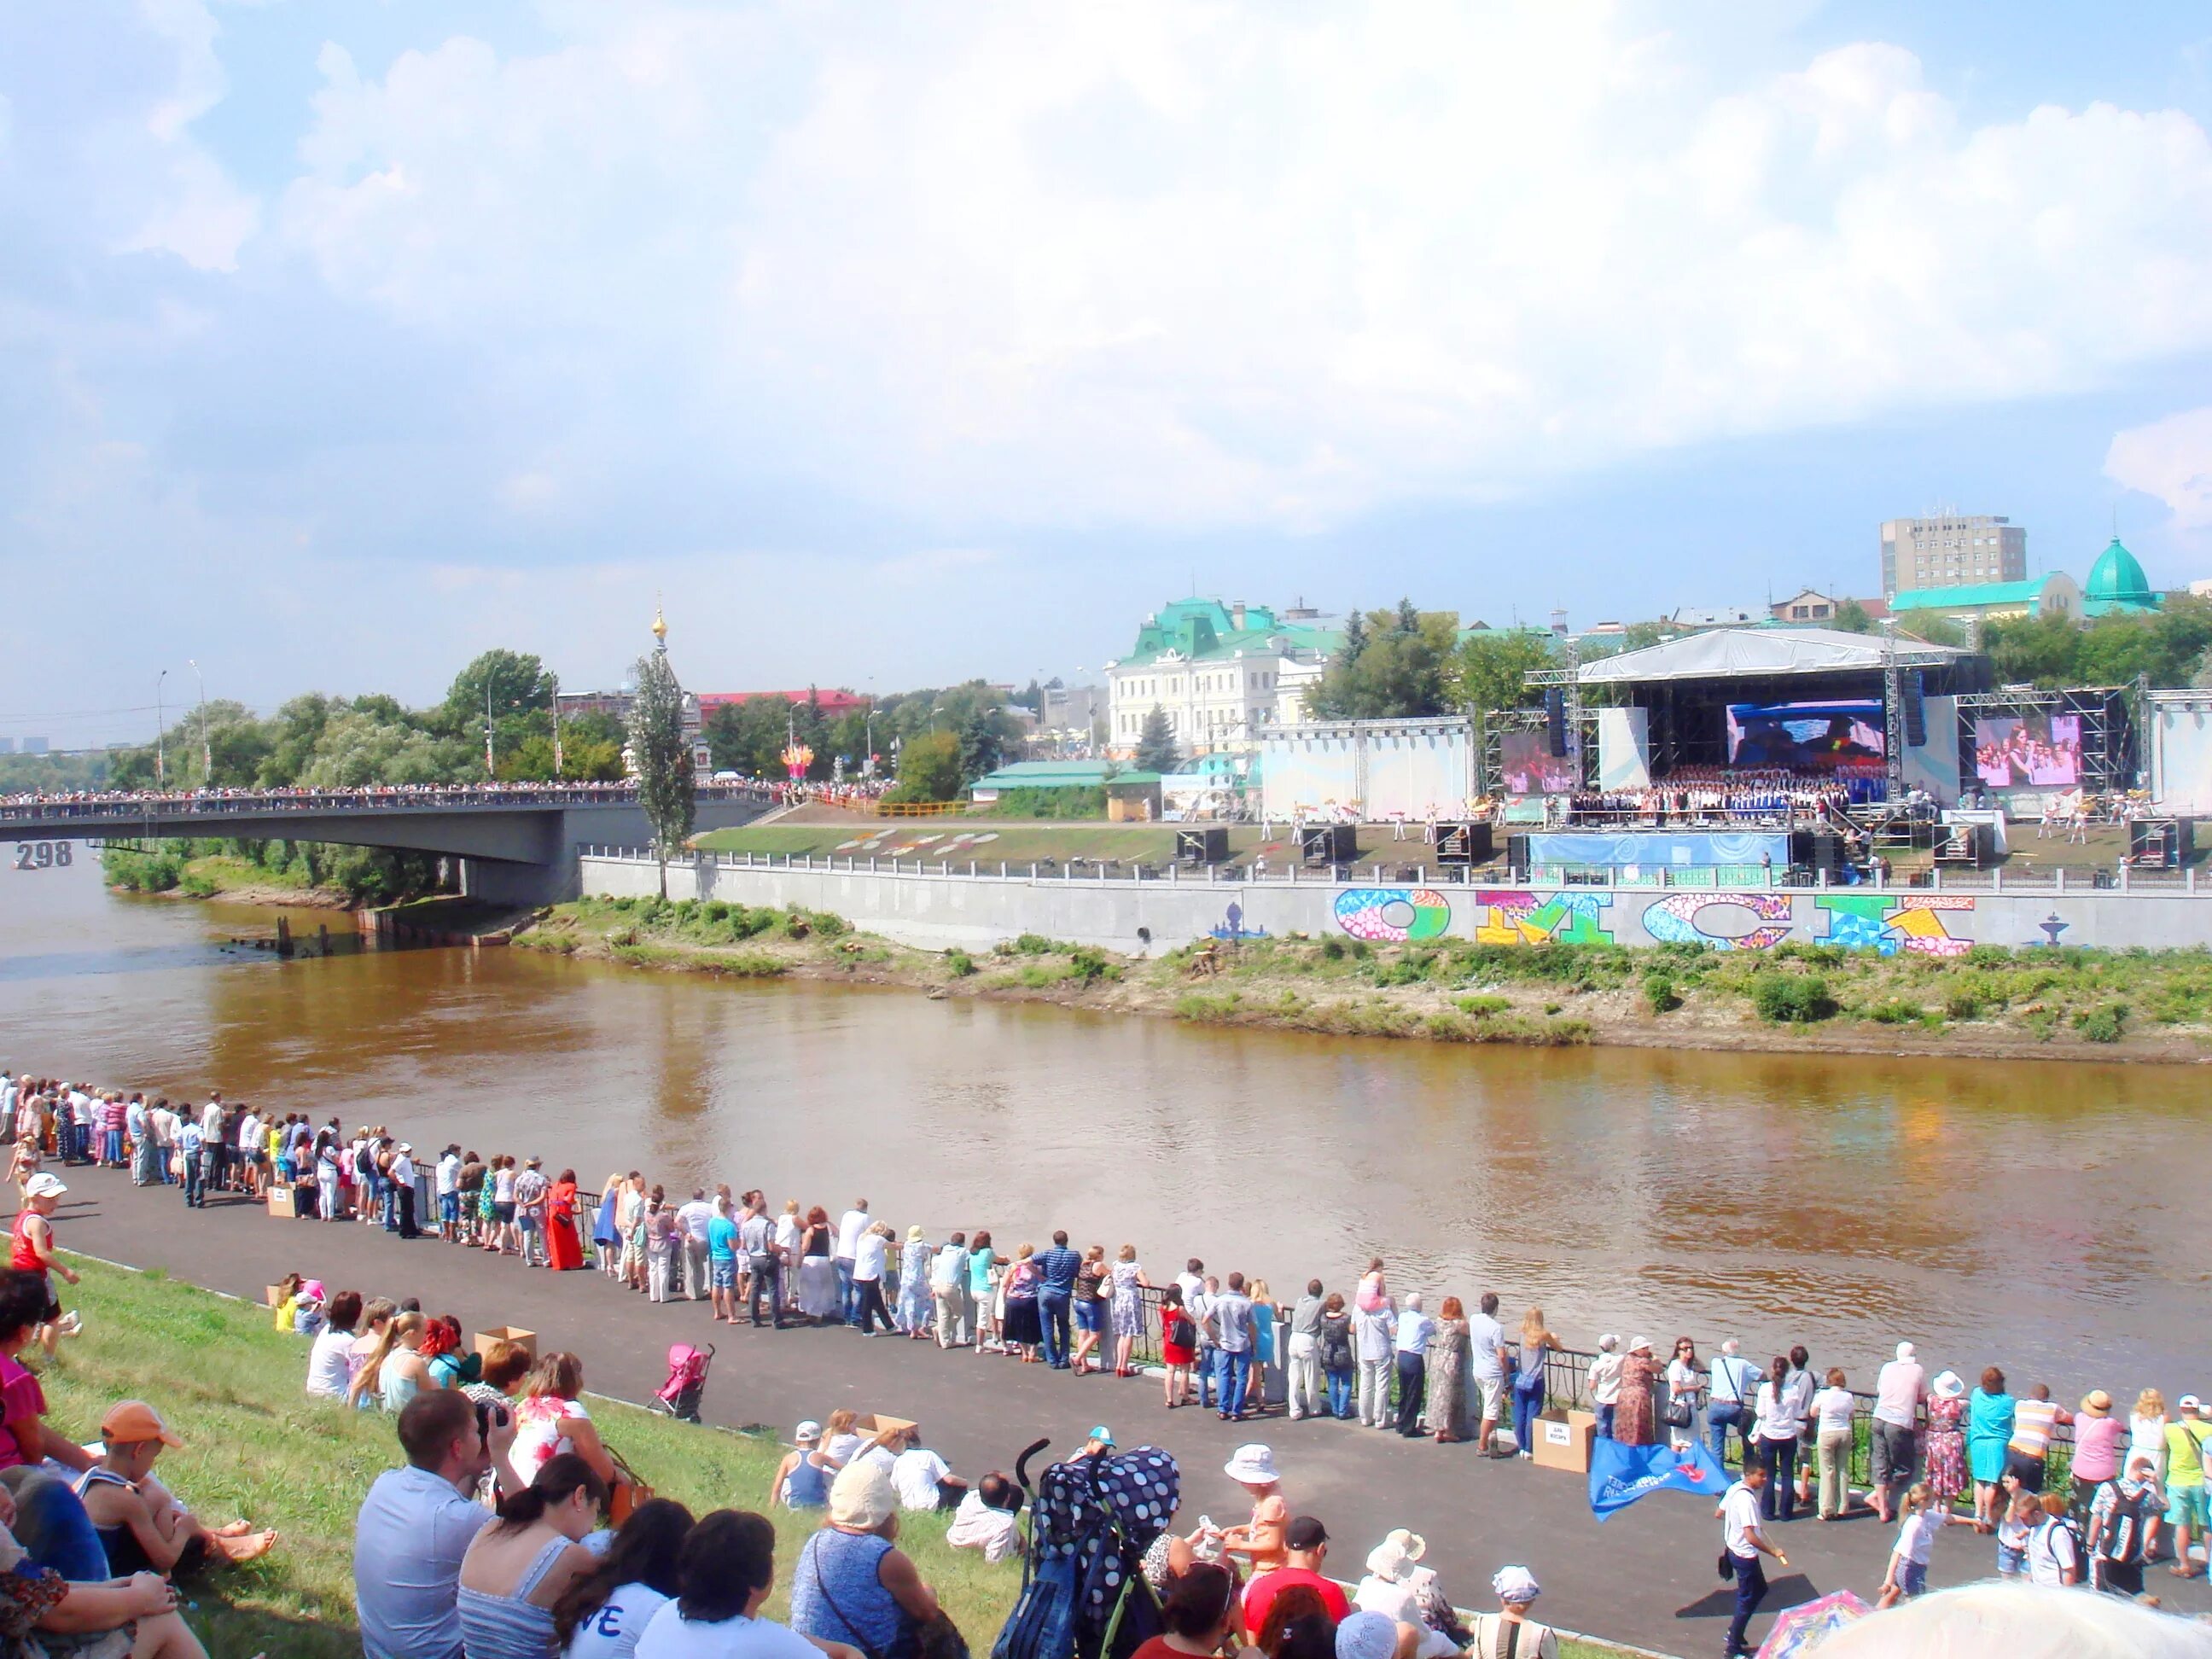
1156 743
356 750
1851 617
513 680
1399 673
928 768
1489 670
980 745
1355 638
662 756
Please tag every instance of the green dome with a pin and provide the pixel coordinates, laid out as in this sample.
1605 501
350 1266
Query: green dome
2115 575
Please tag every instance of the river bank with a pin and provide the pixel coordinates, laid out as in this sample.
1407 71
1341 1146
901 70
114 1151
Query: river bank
1992 1002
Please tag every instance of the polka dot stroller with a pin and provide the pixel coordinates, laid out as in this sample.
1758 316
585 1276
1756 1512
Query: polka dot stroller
1084 1593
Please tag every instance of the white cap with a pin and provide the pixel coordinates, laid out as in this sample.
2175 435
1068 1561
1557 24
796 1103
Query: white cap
43 1185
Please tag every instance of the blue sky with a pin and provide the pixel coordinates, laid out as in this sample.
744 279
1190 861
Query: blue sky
339 340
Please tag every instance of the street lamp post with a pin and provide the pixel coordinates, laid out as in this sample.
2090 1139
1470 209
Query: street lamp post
489 676
160 737
560 766
206 755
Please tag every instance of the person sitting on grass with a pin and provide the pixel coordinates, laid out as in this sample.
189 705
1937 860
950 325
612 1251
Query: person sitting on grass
136 1617
25 1437
142 1525
605 1612
520 1565
724 1573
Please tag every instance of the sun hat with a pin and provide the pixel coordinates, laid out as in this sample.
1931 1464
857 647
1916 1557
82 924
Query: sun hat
1252 1465
1949 1385
808 1432
311 1290
862 1497
1641 1344
913 1234
1514 1584
2096 1403
43 1185
1366 1636
129 1422
1396 1552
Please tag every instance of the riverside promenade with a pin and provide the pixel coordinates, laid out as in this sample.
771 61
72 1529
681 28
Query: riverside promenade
1644 1578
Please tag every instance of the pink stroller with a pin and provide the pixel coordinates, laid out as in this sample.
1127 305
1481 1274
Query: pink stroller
687 1380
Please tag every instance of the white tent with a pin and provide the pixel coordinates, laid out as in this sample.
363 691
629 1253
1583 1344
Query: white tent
1756 652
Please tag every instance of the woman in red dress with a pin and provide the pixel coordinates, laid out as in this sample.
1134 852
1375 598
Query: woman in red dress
1176 1355
563 1252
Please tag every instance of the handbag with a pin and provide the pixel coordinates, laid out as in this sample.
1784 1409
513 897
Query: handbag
1680 1412
628 1492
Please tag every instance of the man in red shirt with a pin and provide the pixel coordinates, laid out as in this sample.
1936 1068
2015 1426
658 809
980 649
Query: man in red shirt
1305 1542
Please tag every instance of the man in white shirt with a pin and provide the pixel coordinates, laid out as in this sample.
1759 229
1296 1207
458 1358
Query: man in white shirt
691 1221
1413 1345
948 1283
1373 1330
1735 1388
403 1190
1605 1383
529 1189
985 1520
1893 1450
1487 1338
134 1125
1743 1542
850 1225
449 1193
2054 1549
250 1145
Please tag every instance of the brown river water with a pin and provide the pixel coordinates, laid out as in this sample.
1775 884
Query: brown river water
2054 1219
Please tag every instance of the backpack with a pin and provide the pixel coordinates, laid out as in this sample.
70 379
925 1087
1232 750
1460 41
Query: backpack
2123 1538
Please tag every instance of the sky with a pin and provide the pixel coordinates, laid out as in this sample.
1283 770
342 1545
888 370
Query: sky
896 345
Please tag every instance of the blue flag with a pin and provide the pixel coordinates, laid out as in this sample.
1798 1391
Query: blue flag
1621 1474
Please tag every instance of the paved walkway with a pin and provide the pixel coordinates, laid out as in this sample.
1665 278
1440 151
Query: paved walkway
1644 1577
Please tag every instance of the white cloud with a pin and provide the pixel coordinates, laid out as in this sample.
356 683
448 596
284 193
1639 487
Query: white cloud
196 211
2171 459
1188 263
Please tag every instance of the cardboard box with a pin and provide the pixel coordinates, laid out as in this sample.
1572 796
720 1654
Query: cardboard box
527 1340
272 1296
1563 1440
280 1203
877 1423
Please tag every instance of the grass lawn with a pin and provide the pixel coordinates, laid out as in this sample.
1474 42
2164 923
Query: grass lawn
256 1446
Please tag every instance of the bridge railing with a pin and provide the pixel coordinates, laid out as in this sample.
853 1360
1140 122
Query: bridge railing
216 807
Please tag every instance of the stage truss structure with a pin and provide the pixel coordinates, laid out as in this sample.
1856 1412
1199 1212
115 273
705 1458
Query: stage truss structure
2110 756
1499 722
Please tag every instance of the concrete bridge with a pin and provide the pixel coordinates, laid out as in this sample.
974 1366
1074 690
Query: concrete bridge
516 845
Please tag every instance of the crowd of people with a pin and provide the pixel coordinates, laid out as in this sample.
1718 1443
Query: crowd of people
30 805
1941 1452
1696 795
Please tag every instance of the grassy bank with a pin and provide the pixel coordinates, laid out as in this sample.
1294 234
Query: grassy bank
273 872
2064 1003
255 1446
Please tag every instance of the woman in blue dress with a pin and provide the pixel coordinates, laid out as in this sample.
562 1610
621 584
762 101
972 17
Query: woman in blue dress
606 1228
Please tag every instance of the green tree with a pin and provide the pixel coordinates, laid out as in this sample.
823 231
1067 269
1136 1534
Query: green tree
928 768
980 745
666 791
357 750
1851 617
2042 651
1156 743
1400 671
510 681
1489 670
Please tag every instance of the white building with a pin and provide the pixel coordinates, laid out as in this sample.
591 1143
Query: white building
1222 674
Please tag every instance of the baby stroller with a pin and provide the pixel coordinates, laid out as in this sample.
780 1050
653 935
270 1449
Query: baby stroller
1084 1593
687 1380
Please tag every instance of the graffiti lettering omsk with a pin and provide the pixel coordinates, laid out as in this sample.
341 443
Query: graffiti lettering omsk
1511 917
1718 918
1890 923
1393 915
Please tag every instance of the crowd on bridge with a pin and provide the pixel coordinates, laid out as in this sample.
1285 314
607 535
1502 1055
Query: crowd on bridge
2089 1494
295 797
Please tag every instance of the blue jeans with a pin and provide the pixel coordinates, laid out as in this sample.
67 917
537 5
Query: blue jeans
1340 1394
1234 1373
1527 1404
848 1307
1750 1591
1208 1365
1721 1416
1052 1314
111 1147
1605 1421
192 1198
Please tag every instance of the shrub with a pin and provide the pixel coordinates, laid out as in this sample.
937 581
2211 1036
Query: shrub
1791 998
1034 945
1401 972
1893 1011
1333 949
1552 1007
829 923
2101 1024
1481 1007
1660 993
1962 1004
1989 956
959 964
1090 966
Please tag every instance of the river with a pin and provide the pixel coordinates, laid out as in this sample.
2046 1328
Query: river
2056 1219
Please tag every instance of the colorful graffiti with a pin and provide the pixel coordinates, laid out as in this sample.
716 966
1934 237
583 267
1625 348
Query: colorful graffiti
1889 923
1393 915
1714 919
1520 918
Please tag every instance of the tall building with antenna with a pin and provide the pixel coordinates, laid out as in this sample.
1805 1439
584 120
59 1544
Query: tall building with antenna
1951 549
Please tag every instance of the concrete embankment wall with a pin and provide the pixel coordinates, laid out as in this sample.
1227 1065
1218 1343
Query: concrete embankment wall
939 911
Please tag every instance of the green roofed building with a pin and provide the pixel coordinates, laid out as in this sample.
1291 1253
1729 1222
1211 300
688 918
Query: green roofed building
2117 583
2052 595
1223 674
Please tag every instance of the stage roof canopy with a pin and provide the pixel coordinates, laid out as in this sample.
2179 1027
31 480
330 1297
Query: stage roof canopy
1759 653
